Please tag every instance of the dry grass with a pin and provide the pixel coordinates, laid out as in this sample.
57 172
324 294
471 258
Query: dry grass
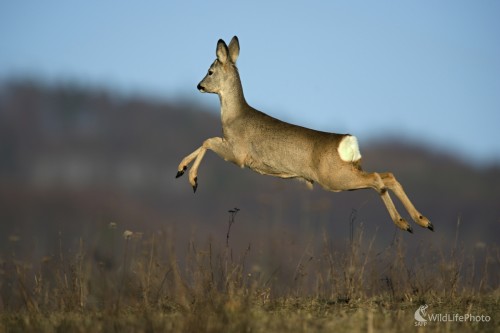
139 283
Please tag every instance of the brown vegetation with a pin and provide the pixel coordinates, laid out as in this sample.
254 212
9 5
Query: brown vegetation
146 283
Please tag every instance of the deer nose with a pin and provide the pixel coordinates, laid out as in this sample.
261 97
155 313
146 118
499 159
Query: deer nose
200 87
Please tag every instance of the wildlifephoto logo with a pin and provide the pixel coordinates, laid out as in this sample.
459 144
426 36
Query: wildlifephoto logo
422 318
421 314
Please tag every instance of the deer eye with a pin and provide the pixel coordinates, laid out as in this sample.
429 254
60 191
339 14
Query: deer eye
210 72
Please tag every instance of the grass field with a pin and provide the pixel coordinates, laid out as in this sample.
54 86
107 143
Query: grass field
134 282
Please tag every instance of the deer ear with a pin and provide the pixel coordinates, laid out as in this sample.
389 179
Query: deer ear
221 51
234 49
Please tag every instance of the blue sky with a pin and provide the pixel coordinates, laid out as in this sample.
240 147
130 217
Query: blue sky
425 71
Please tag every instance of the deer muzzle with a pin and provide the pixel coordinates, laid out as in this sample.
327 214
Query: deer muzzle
200 87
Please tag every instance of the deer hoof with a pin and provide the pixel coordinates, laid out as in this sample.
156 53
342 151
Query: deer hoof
181 172
423 222
195 185
403 225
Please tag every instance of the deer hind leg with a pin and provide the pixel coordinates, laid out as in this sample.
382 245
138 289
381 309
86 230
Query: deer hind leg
218 145
391 183
374 180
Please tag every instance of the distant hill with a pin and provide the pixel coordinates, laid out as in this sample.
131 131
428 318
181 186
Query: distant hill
74 159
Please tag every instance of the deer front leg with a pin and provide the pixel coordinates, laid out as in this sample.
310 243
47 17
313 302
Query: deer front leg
185 162
391 182
218 145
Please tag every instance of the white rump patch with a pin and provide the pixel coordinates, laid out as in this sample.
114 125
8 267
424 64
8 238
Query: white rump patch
348 149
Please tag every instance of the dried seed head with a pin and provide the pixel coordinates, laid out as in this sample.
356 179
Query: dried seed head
127 234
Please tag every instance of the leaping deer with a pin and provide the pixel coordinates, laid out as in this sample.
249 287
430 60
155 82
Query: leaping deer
273 147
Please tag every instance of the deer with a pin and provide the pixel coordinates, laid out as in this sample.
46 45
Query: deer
253 139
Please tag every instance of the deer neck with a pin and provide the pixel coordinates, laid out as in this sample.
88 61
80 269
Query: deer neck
232 101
